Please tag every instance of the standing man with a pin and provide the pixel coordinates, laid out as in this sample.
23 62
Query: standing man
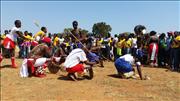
39 35
11 40
175 52
168 48
55 42
76 33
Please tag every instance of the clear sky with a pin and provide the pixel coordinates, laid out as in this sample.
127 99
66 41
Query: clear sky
161 16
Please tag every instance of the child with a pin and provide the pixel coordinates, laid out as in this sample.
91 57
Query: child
26 44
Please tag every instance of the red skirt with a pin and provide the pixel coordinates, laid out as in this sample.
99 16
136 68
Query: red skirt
8 43
77 68
34 43
153 51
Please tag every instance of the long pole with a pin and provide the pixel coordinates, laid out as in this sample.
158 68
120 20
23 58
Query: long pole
81 43
78 40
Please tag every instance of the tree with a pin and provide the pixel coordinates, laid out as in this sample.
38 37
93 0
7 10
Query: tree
66 30
101 29
84 31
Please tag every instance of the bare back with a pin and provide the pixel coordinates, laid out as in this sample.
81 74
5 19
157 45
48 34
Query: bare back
39 51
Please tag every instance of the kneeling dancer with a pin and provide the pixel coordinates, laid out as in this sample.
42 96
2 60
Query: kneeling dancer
74 62
37 60
124 66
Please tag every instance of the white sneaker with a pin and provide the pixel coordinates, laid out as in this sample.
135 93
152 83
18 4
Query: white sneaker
151 64
155 65
129 74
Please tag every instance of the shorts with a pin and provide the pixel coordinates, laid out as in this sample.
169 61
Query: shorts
77 68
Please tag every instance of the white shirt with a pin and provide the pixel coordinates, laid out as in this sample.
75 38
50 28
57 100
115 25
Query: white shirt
13 35
94 41
106 39
74 58
128 57
134 42
116 39
61 40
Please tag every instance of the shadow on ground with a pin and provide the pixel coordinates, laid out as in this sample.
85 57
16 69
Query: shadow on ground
114 76
66 78
6 66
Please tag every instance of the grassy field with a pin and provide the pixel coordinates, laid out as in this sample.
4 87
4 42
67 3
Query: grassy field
164 85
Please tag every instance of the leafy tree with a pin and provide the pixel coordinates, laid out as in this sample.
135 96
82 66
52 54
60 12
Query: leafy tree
66 30
101 29
84 31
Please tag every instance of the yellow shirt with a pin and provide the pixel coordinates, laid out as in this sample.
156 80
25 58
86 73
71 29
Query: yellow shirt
67 44
176 45
40 33
28 38
100 42
178 38
127 44
55 41
120 44
3 36
110 41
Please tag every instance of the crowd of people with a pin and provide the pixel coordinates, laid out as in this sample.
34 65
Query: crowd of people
74 48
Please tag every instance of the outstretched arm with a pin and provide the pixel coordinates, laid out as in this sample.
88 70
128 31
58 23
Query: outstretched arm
89 63
20 34
139 69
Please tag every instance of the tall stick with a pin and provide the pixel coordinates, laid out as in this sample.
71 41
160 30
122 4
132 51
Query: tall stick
81 43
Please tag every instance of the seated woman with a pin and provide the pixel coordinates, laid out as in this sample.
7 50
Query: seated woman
124 66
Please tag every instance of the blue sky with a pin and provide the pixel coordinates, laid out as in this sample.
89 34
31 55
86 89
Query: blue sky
161 16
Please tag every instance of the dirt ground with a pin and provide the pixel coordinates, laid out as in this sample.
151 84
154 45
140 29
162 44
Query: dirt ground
164 85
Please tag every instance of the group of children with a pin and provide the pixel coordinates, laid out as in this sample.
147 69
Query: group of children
146 48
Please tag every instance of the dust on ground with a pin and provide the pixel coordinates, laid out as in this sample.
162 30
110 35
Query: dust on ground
164 85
